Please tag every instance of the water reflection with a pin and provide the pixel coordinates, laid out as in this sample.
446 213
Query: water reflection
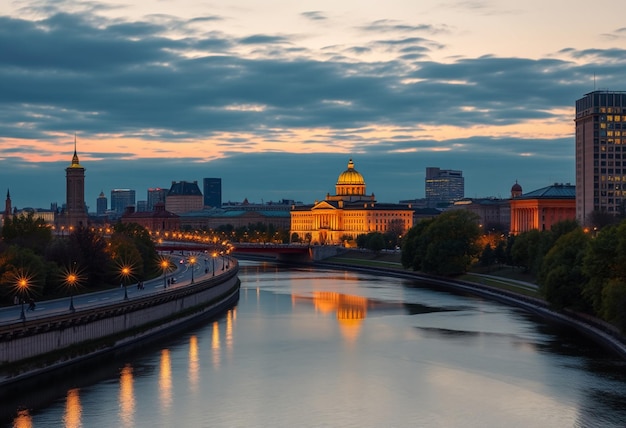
73 409
23 419
215 345
165 380
127 397
194 366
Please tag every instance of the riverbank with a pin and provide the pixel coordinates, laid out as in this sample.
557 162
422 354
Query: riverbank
508 289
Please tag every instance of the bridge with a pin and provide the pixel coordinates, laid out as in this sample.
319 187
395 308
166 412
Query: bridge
283 252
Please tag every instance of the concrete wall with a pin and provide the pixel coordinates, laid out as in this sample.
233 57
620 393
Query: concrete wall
97 330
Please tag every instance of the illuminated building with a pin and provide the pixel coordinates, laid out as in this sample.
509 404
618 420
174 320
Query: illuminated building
75 214
348 214
600 154
443 186
184 197
542 208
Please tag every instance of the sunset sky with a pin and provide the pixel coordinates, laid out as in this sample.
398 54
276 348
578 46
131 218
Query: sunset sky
275 96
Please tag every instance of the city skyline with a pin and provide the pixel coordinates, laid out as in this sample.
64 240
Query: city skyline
275 98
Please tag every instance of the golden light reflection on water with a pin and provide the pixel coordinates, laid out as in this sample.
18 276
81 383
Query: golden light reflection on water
127 397
351 310
73 409
194 363
229 330
165 380
215 345
23 419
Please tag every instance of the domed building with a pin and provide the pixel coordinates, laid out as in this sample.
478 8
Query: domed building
349 213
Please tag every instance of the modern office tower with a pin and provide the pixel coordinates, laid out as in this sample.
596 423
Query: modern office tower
212 192
183 197
75 210
101 204
121 199
142 206
600 154
444 186
155 195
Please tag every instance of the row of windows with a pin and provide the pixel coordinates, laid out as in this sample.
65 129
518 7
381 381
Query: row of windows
611 118
611 125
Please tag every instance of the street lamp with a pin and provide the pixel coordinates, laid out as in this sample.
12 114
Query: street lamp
165 264
71 282
125 274
22 286
192 261
223 260
213 256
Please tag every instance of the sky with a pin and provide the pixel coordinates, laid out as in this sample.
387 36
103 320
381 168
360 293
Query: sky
276 96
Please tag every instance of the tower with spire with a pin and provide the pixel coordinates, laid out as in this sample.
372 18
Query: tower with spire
7 208
75 209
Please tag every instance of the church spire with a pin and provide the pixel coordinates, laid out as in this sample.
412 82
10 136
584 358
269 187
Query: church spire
75 157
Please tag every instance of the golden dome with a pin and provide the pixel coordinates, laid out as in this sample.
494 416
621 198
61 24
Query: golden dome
350 176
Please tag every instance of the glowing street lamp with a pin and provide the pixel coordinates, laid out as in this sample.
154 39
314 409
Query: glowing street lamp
22 286
213 256
192 261
126 271
71 280
165 264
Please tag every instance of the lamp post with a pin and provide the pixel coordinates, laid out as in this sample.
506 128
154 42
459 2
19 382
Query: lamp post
71 282
125 274
22 285
164 265
192 262
213 256
223 261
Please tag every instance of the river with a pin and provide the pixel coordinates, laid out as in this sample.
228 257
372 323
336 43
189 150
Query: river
323 348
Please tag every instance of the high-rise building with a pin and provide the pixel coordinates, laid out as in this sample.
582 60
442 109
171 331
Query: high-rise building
212 192
183 197
600 154
75 209
142 206
155 195
101 204
444 186
121 199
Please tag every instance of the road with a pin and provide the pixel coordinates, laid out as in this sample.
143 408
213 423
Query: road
182 275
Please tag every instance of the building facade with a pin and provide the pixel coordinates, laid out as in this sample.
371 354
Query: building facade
157 220
122 199
542 208
212 192
600 154
443 186
348 214
183 197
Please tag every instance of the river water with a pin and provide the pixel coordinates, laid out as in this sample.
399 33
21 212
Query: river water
321 348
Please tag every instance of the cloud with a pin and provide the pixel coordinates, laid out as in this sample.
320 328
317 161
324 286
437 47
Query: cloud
314 15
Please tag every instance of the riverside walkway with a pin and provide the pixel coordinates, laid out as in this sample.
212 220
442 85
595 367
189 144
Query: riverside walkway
182 277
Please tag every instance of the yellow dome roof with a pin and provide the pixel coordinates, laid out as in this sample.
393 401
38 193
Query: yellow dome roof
350 175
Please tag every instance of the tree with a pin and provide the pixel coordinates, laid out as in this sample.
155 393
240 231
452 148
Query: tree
562 277
414 245
375 242
28 232
141 240
598 265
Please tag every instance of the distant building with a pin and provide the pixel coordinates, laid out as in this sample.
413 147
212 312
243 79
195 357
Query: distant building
600 154
158 220
443 186
493 213
349 213
212 192
101 204
75 214
155 195
542 208
183 197
122 199
7 208
216 217
142 206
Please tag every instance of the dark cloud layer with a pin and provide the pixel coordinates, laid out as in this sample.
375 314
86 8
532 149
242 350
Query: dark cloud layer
80 71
